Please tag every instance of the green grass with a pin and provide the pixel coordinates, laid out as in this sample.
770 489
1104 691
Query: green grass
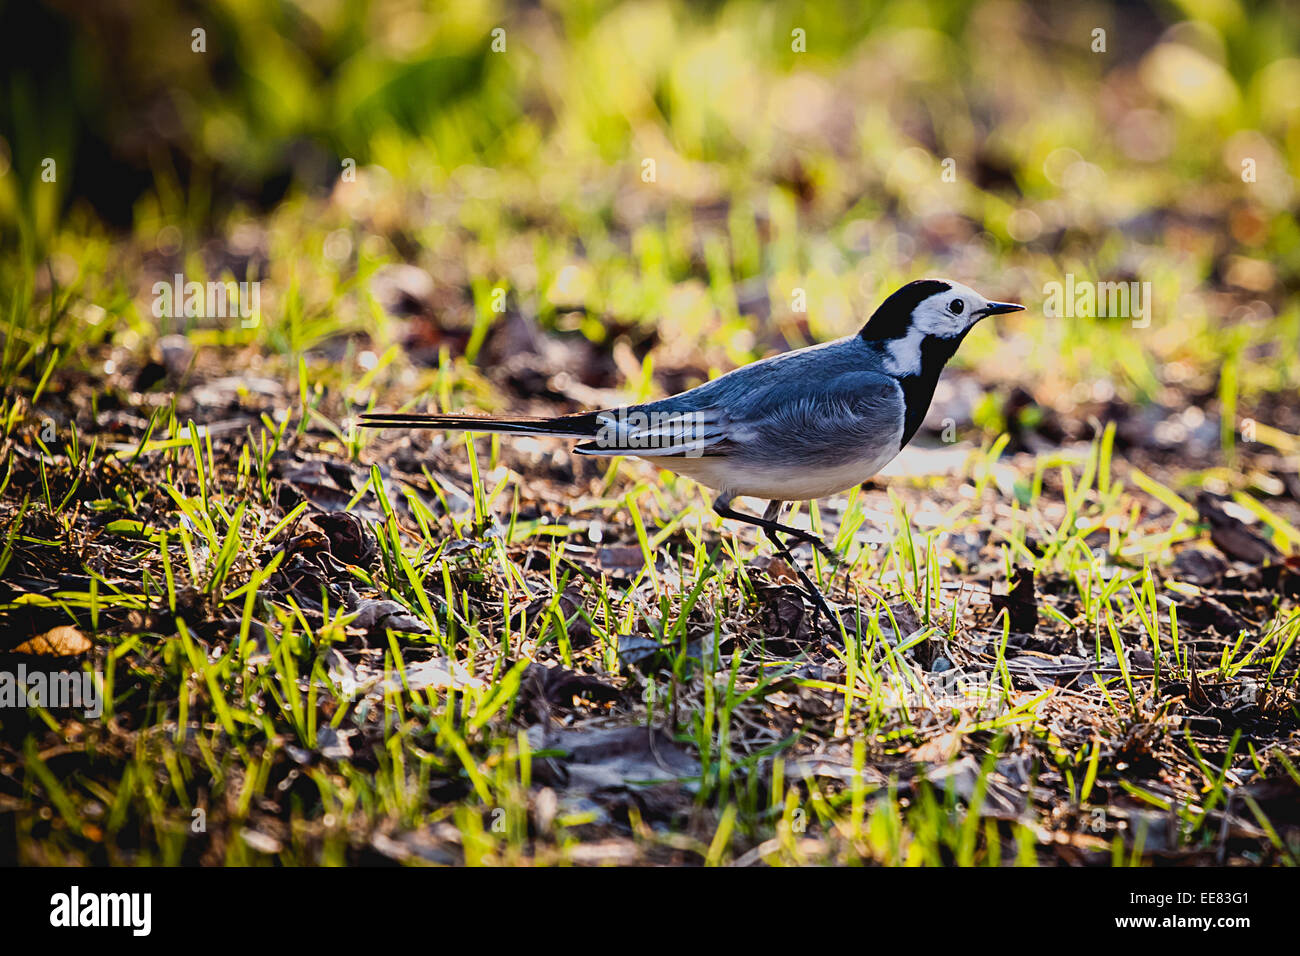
213 724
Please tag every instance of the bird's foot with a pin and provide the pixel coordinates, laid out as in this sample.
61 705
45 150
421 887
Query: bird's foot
810 590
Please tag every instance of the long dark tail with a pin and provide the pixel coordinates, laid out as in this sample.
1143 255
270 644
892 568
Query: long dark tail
582 425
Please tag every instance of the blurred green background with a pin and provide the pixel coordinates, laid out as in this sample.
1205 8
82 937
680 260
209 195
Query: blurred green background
835 148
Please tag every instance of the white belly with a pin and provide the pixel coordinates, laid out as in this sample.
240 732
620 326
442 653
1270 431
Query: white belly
776 483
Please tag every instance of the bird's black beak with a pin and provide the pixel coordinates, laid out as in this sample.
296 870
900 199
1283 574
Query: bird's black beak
998 308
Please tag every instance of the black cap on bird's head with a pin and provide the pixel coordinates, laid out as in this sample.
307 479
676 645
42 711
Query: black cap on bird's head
932 307
917 330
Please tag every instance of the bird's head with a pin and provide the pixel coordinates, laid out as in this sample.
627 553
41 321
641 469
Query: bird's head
928 315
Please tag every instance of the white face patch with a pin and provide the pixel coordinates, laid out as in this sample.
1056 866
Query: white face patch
945 314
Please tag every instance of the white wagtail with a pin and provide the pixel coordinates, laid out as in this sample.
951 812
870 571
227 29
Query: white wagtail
801 425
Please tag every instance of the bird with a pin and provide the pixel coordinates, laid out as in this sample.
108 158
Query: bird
796 426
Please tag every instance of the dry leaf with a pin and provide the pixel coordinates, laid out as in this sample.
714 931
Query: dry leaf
780 572
62 641
939 749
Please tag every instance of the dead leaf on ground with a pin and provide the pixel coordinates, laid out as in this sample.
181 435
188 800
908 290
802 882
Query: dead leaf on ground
611 758
437 673
63 641
1021 604
1002 799
1198 566
376 616
833 765
621 557
1232 536
938 749
415 846
780 572
543 688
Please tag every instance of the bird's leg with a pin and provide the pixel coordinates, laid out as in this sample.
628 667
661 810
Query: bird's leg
813 593
772 530
722 507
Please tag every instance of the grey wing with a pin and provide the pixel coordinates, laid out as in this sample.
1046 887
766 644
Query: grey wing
848 417
693 423
839 418
818 398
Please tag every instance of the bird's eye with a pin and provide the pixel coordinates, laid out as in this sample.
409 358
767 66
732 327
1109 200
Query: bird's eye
956 306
